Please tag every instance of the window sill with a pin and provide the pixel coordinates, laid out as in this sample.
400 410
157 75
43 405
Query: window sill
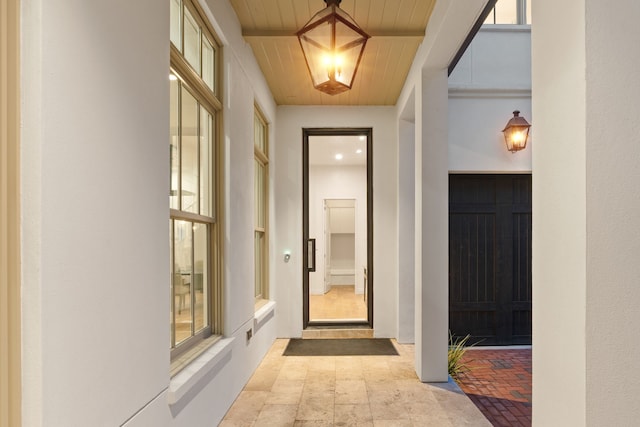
262 314
209 360
524 28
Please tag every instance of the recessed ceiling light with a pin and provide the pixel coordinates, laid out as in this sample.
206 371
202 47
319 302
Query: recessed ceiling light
338 156
361 137
359 151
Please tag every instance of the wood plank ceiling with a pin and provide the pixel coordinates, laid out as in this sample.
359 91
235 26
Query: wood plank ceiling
397 28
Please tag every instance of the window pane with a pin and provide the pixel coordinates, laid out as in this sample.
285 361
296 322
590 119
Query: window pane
206 162
200 275
208 63
174 121
189 153
260 135
506 12
175 18
491 17
259 264
528 9
182 283
191 41
260 193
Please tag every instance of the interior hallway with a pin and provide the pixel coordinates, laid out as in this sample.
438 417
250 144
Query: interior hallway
340 303
345 391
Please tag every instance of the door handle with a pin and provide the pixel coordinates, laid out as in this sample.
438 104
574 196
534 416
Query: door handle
311 254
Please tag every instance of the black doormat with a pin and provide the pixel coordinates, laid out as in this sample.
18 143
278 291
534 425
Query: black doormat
340 347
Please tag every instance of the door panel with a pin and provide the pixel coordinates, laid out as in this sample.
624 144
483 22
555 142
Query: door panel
310 203
490 258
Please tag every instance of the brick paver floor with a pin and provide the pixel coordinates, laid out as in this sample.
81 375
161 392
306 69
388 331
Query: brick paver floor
499 383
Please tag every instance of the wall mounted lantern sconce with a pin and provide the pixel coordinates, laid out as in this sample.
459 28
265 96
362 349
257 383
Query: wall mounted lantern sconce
332 45
516 133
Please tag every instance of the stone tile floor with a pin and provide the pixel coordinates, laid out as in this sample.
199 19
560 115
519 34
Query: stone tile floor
348 391
499 383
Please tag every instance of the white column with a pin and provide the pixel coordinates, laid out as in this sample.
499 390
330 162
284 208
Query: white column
431 234
586 198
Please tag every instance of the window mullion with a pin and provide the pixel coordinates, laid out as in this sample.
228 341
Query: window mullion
262 157
179 189
198 165
520 10
192 290
190 216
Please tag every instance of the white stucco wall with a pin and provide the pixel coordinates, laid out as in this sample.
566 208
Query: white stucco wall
406 231
288 204
585 197
491 80
341 182
95 212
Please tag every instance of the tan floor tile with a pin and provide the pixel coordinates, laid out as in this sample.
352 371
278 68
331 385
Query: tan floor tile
247 407
349 368
315 375
231 423
351 392
285 392
414 391
292 373
349 374
431 420
384 384
352 415
313 423
281 385
417 409
375 362
277 415
349 362
320 385
378 375
365 391
321 409
402 370
323 363
284 398
314 395
387 405
279 345
392 423
262 380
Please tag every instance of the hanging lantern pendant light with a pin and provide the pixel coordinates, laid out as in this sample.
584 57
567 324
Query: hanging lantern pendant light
516 133
332 45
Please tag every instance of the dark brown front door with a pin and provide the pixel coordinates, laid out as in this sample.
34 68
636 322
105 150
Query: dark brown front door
490 258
